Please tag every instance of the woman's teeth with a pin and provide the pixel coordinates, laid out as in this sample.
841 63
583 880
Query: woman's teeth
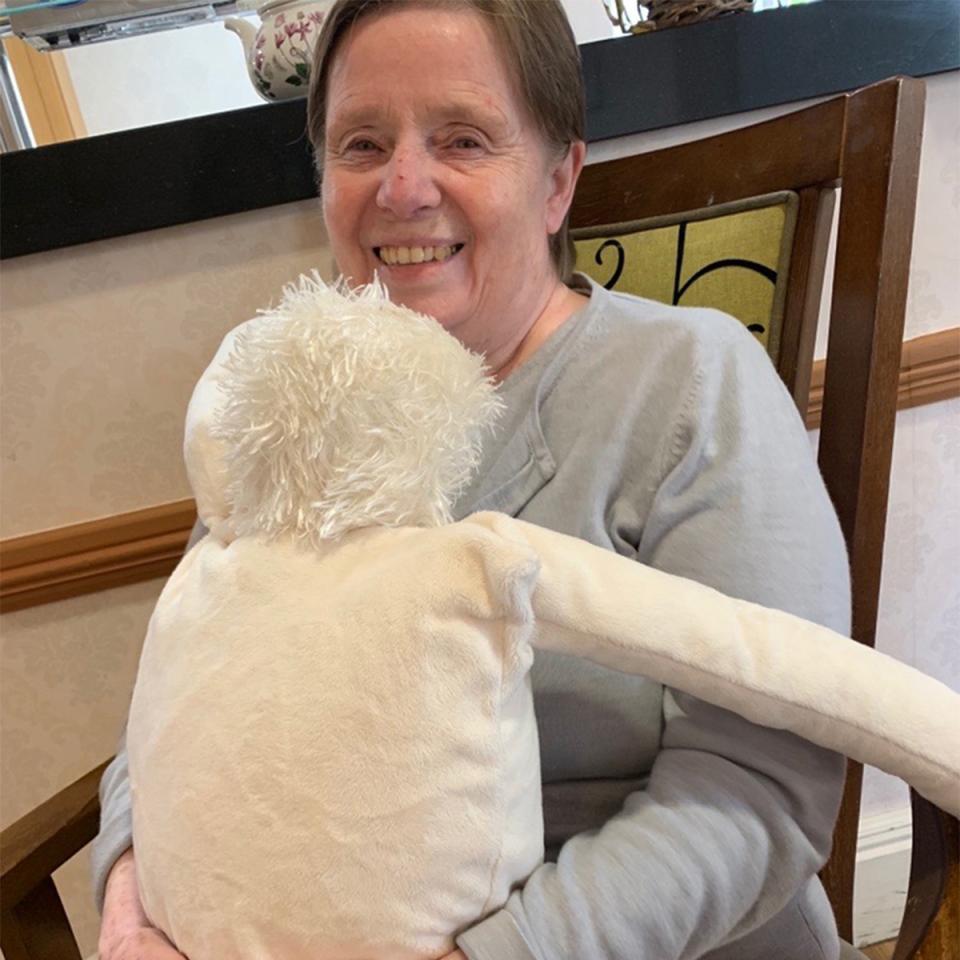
403 255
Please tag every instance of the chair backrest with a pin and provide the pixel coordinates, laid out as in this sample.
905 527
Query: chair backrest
732 256
742 221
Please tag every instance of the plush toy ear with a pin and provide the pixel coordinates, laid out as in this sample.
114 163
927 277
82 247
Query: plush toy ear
206 457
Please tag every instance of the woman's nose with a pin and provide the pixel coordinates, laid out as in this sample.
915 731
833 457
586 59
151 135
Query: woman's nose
408 185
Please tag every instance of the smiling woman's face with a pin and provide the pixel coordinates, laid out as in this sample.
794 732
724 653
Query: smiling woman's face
435 177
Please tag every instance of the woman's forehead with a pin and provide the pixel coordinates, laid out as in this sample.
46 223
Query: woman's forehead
446 52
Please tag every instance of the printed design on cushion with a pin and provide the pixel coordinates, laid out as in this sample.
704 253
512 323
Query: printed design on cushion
732 257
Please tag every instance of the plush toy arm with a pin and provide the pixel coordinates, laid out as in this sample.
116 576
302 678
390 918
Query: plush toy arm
770 667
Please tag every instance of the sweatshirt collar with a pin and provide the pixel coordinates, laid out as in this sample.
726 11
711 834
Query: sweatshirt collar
516 463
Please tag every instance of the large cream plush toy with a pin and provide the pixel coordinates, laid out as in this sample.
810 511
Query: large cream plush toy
332 742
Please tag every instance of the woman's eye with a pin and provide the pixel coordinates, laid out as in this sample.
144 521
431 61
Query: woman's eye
361 146
466 143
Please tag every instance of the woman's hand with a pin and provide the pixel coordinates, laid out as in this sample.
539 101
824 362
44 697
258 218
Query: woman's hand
125 931
146 943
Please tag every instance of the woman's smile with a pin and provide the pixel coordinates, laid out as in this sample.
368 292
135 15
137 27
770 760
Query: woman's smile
414 254
415 272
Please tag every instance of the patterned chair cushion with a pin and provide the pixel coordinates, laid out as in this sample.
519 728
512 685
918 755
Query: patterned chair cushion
733 257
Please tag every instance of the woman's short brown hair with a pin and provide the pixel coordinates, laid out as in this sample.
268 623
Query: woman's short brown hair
535 40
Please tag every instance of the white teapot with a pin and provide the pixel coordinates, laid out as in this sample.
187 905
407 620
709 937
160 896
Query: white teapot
279 53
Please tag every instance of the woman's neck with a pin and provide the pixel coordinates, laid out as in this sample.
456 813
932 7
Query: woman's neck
562 304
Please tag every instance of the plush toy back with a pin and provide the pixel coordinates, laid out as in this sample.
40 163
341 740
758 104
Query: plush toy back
333 753
332 746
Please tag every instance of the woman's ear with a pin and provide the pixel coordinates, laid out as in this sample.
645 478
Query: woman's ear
564 174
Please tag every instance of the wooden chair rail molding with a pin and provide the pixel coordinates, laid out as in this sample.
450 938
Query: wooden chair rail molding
132 547
96 555
929 371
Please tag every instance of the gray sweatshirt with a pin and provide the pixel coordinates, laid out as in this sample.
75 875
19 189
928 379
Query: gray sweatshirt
674 829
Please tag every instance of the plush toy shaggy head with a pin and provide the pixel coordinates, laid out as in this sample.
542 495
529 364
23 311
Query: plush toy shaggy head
338 409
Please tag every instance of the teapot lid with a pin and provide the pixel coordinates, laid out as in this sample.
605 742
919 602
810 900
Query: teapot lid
271 6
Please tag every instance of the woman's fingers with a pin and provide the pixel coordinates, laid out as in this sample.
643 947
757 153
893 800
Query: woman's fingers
146 943
125 931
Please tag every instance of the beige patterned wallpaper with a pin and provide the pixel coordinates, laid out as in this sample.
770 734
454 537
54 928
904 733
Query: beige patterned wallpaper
919 616
68 670
101 345
934 293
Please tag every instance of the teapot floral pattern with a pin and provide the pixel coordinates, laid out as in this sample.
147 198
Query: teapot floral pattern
280 52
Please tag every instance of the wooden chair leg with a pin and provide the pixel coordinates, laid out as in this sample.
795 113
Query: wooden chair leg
931 918
37 928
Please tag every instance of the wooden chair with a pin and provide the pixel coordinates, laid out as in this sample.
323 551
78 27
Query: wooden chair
867 142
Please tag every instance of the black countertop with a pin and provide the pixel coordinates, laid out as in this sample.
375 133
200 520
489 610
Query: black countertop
157 176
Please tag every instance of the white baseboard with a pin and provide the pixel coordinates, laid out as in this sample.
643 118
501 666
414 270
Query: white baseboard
880 881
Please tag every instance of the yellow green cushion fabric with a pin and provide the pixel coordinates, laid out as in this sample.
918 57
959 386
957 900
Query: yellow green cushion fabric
733 257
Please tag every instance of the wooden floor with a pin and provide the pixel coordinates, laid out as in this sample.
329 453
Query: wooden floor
880 951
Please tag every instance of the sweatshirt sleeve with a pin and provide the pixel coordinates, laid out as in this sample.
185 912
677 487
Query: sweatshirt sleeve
116 817
736 818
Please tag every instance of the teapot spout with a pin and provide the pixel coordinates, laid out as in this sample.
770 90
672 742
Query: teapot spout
245 30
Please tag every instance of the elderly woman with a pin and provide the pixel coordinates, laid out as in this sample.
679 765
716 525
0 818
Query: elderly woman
450 138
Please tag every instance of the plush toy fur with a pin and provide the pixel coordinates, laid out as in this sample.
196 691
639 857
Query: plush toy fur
335 411
332 745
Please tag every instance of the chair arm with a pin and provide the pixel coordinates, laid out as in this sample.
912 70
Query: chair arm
931 918
44 839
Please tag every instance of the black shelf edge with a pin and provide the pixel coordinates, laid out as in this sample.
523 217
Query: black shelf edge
748 61
189 170
157 176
